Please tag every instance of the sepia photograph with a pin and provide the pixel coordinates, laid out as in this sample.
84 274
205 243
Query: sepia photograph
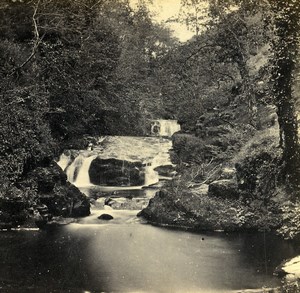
149 146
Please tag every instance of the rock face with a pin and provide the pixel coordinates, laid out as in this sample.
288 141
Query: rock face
113 172
43 195
169 209
218 207
56 196
226 188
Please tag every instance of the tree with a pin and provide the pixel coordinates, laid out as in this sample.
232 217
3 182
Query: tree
237 40
285 48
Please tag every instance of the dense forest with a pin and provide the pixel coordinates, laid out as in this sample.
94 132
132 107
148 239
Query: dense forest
71 70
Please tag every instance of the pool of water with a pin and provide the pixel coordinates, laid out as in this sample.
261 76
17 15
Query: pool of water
126 255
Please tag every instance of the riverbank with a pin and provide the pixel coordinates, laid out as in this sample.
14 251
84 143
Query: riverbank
236 192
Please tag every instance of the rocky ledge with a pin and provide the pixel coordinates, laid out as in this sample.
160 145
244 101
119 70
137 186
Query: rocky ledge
217 206
44 196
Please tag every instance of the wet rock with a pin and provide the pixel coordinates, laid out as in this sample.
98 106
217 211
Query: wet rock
108 201
225 188
105 217
290 267
55 195
166 170
113 172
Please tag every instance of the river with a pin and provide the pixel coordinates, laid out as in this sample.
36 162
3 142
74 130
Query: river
126 254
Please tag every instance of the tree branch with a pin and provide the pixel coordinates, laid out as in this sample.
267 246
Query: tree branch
37 42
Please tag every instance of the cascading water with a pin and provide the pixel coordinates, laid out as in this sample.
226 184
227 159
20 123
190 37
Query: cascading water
72 170
83 177
161 127
150 152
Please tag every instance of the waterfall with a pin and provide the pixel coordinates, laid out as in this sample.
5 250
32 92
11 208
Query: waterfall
151 176
78 171
162 127
83 177
72 170
150 151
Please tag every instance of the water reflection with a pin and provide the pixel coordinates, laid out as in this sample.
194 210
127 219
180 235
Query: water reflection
130 257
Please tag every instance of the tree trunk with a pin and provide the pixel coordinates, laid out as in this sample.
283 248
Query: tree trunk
285 52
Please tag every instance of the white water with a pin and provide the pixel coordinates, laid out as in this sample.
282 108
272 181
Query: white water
70 171
162 127
83 177
151 151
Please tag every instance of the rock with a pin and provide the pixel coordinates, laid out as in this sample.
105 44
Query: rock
108 201
55 195
43 209
113 172
41 223
225 188
228 173
47 177
54 223
105 217
165 170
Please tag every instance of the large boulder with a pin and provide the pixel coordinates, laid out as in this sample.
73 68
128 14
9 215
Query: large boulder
225 188
113 172
48 177
53 191
174 210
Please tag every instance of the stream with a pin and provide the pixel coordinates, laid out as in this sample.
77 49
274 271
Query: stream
126 254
